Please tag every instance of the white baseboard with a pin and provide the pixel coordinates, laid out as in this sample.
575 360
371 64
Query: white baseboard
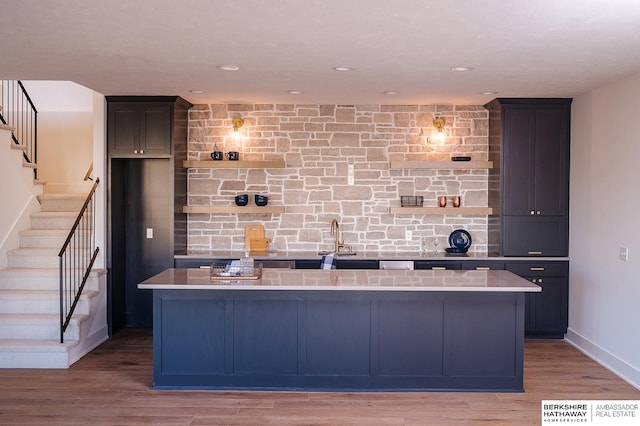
626 372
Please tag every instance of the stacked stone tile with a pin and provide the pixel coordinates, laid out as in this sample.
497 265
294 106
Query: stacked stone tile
318 142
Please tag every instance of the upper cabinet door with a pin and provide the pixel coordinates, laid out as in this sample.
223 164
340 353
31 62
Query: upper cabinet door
552 159
155 129
139 129
518 135
123 129
536 156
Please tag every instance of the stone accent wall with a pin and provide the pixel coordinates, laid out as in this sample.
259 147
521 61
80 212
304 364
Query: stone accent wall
318 142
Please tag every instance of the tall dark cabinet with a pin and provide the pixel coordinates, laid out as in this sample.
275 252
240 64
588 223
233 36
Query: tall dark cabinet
529 185
529 194
146 144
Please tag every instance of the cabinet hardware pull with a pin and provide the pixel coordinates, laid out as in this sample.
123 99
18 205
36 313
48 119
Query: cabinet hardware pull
539 280
135 151
533 280
535 252
532 212
142 152
538 212
205 267
438 268
482 268
536 268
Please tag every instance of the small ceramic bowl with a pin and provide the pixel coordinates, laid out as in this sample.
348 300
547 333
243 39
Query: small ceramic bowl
242 200
261 200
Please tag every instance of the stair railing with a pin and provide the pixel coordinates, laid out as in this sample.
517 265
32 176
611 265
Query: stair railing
77 255
19 112
89 173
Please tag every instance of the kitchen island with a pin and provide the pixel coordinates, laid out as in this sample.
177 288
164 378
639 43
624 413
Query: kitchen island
339 330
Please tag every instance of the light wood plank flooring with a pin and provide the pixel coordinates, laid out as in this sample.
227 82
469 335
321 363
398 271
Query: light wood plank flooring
112 386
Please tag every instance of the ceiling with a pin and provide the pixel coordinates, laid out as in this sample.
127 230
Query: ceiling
542 48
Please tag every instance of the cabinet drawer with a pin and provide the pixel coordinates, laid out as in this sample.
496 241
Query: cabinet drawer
481 265
308 263
356 264
538 269
435 265
192 263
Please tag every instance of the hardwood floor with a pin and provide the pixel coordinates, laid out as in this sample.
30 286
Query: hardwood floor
112 386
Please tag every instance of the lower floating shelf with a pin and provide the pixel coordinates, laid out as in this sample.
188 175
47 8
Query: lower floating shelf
233 209
469 211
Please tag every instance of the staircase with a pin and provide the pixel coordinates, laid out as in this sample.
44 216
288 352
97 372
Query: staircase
30 293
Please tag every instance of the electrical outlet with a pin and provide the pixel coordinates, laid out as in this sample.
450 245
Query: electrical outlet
350 174
408 235
149 233
624 254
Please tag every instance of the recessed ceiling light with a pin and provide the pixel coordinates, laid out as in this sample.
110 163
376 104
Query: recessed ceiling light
228 67
343 69
390 92
295 92
197 92
489 92
461 69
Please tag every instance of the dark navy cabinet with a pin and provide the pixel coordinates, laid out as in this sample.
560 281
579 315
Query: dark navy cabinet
139 128
481 265
529 188
147 185
356 264
535 235
308 263
546 312
437 264
338 340
195 263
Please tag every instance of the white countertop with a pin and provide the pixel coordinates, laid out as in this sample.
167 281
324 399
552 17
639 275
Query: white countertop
346 279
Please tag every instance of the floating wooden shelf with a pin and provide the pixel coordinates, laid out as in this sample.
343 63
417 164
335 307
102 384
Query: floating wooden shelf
233 209
226 164
441 165
469 211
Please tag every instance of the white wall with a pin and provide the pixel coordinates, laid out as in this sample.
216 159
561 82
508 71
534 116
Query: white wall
604 295
65 146
99 138
59 96
18 195
65 133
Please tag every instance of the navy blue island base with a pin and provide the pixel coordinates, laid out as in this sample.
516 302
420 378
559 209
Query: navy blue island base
343 339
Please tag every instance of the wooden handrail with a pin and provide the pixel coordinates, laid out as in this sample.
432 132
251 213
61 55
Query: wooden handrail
87 176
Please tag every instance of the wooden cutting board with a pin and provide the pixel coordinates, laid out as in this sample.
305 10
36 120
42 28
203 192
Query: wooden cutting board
259 245
252 232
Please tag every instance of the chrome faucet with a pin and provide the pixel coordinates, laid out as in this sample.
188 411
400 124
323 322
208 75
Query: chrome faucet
335 231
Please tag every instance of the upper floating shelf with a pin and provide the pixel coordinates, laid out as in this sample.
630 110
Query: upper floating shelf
469 211
227 164
233 209
441 165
